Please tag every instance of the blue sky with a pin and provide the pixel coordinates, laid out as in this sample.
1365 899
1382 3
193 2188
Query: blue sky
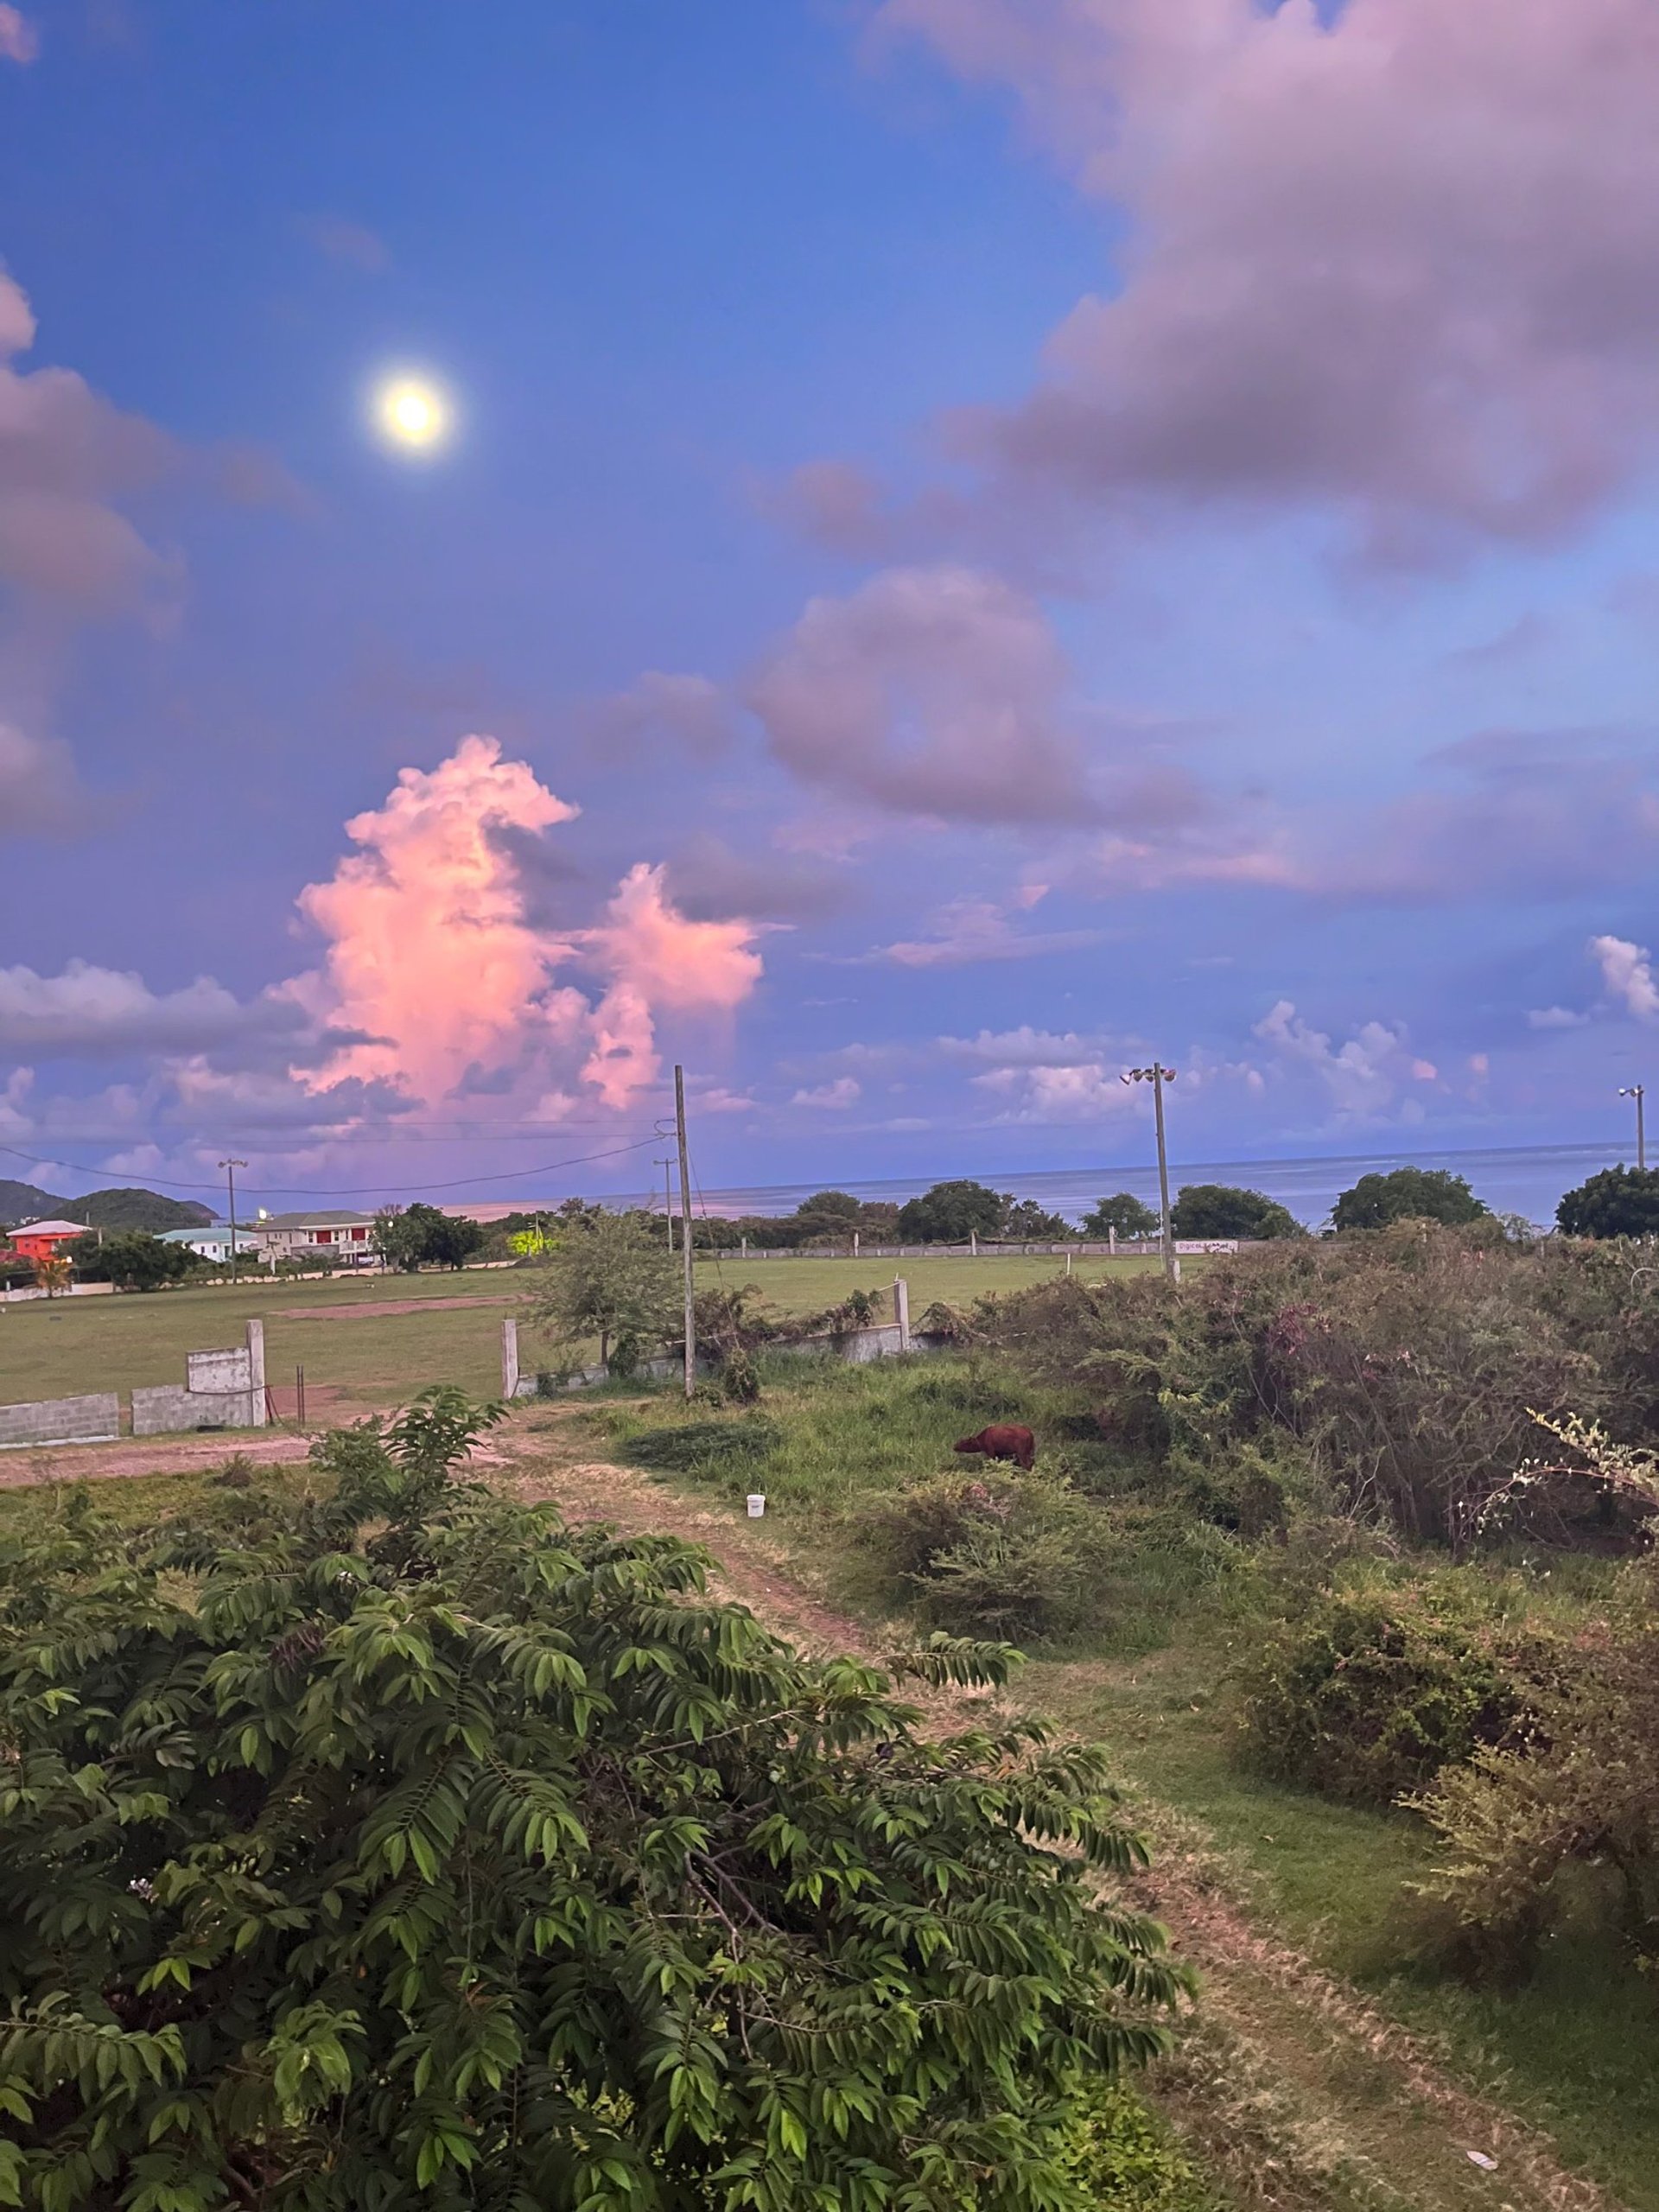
1028 531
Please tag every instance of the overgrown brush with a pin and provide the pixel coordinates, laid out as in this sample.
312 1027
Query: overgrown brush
1403 1367
1369 1689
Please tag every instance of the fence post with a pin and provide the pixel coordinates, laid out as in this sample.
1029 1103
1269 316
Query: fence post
256 1374
973 1243
854 1244
901 1311
509 1360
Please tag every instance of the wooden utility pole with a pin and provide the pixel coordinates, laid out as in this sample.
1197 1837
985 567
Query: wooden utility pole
685 1233
230 1168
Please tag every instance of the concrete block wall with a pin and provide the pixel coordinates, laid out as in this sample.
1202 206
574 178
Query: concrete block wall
89 1419
169 1408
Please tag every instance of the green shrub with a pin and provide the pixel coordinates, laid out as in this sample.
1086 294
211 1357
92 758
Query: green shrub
994 1555
1368 1692
429 1851
1579 1794
1125 2158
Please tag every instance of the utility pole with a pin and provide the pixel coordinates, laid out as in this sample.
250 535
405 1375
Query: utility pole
686 1232
667 1166
230 1168
1639 1091
1158 1075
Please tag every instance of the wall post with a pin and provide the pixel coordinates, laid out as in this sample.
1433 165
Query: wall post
901 1311
509 1359
256 1374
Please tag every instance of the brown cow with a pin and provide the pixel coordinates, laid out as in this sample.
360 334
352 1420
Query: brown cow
1003 1441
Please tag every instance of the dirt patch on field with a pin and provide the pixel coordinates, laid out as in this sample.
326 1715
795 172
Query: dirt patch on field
378 1308
144 1455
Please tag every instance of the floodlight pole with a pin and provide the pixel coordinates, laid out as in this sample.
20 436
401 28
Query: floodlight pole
230 1168
1639 1091
1158 1075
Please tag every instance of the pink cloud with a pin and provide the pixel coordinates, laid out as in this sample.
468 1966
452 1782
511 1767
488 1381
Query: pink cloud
19 40
1396 262
432 955
659 959
66 453
938 691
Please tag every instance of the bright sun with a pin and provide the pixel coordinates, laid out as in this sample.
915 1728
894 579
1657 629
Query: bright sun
411 413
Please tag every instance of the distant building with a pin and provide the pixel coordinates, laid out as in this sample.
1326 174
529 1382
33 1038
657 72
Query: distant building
43 1240
213 1243
348 1237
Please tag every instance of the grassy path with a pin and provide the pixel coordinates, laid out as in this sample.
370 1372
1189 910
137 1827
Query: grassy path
1298 2093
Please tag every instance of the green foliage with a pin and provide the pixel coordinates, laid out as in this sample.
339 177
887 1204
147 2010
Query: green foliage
1025 1221
410 1846
828 1213
1407 1194
1369 1689
1582 1793
418 1235
1125 2158
610 1276
991 1554
1619 1202
951 1213
1123 1212
710 1450
1402 1370
1219 1210
131 1260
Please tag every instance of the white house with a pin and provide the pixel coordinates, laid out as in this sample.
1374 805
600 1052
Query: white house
213 1242
347 1238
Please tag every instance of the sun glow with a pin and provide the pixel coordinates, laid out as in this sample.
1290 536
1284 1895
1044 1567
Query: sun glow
411 413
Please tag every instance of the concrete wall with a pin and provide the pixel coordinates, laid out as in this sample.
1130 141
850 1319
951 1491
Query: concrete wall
219 1370
858 1347
169 1408
89 1419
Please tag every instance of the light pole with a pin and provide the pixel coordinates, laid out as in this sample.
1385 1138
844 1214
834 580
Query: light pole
230 1168
1158 1075
1639 1091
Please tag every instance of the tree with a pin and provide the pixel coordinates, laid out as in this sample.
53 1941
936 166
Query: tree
395 1844
52 1272
1619 1202
828 1213
1220 1209
131 1260
419 1236
610 1276
1125 1213
1407 1194
1025 1221
951 1213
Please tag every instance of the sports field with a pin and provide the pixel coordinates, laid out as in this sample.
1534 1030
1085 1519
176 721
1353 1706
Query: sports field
370 1340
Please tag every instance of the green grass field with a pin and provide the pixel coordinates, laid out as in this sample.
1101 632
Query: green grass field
356 1360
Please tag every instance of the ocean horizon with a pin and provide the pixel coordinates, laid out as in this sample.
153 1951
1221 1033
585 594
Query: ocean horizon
1526 1179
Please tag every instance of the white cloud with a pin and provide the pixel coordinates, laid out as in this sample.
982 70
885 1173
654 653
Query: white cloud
1627 974
834 1097
1362 1077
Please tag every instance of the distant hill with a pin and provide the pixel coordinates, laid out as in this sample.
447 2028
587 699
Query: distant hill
25 1201
122 1208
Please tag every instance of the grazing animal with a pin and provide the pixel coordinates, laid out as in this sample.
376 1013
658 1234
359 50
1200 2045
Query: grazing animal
1002 1441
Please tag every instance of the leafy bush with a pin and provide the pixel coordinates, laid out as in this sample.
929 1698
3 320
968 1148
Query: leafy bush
421 1848
1406 1194
1619 1202
995 1554
1369 1691
1402 1368
1220 1209
1125 2157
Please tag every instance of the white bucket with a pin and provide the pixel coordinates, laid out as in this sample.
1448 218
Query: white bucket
757 1504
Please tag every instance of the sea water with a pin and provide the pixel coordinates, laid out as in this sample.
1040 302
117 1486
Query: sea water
1527 1180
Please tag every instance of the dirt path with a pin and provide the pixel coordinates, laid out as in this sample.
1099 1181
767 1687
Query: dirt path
1300 2094
372 1309
143 1455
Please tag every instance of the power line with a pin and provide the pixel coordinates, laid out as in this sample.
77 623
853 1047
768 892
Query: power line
361 1191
